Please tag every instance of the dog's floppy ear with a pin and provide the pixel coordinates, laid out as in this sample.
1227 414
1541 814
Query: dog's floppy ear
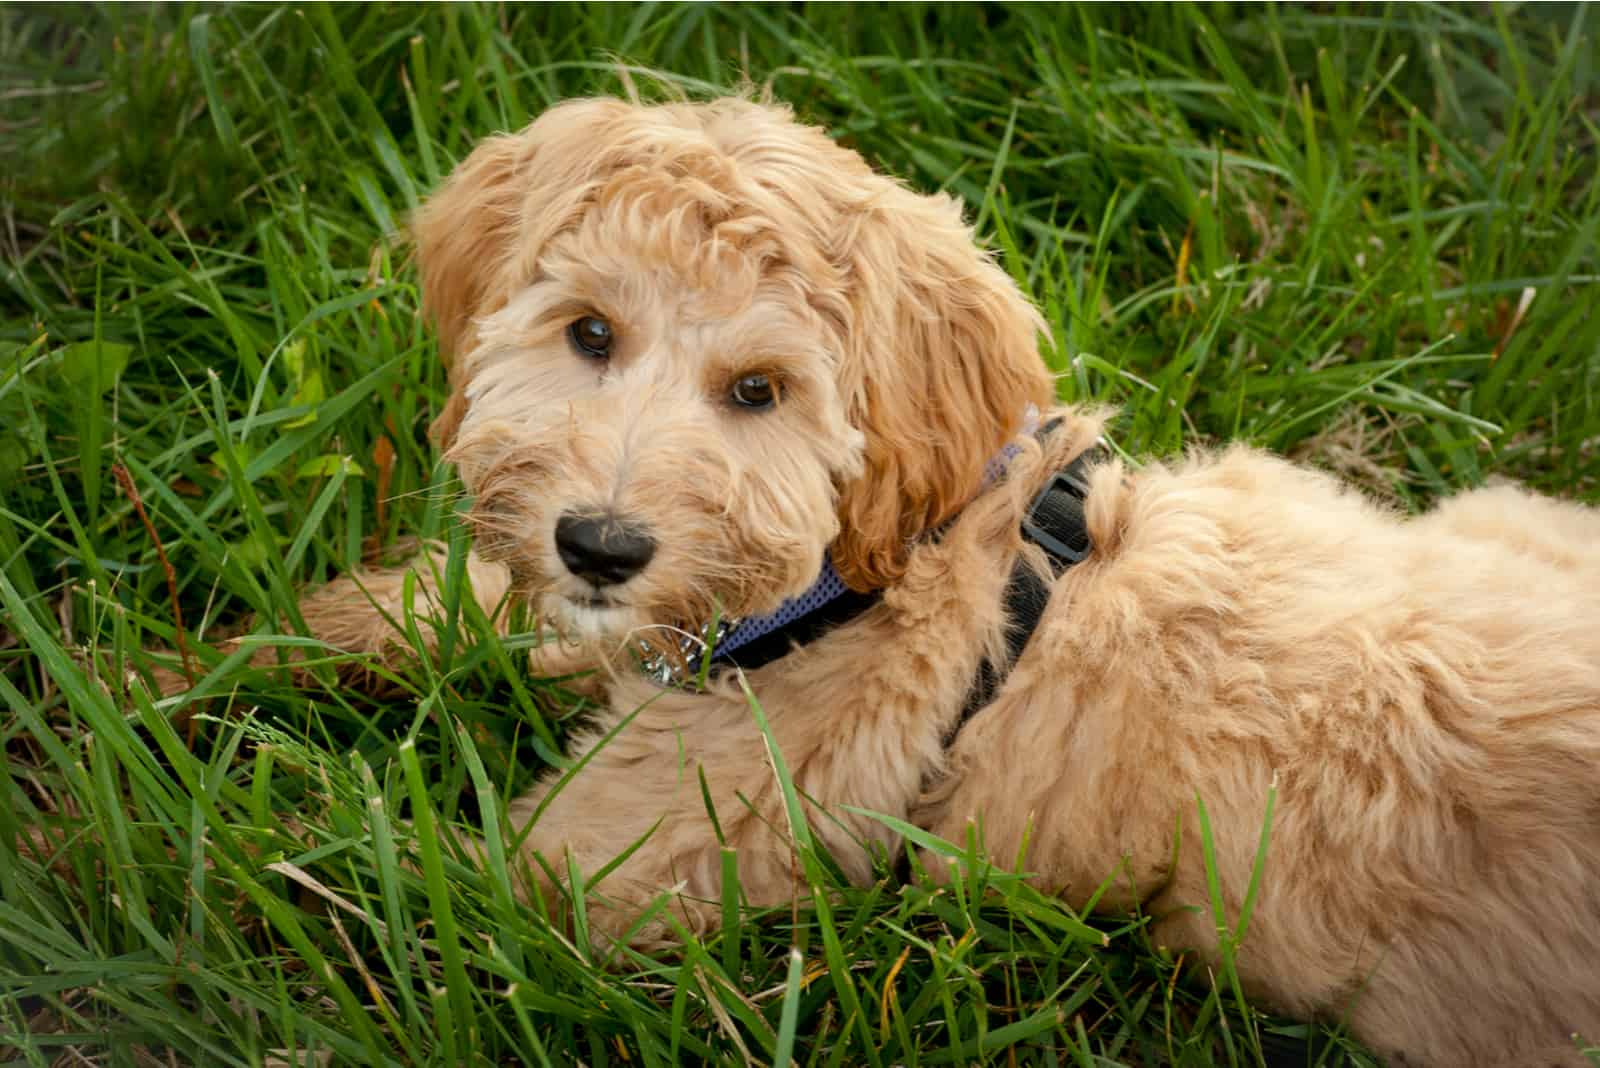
464 235
941 363
478 234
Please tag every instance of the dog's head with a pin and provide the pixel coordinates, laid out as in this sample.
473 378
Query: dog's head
696 346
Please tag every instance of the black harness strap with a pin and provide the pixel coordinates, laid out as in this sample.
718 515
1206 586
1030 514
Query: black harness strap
1056 523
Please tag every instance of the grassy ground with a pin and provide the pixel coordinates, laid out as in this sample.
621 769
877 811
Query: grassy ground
1362 236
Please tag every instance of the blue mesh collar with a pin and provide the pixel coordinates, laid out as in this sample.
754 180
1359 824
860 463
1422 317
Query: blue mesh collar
828 600
828 589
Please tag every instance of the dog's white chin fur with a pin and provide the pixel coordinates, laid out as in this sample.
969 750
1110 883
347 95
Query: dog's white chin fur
585 621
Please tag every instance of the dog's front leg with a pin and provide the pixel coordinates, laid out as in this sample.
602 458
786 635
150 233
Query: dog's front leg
375 611
616 881
372 612
629 828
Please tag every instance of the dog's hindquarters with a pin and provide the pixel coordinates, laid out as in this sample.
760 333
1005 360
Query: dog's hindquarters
1424 698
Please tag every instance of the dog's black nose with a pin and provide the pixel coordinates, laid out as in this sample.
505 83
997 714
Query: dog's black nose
601 549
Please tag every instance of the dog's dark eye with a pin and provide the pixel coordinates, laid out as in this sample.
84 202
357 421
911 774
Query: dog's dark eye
592 336
755 391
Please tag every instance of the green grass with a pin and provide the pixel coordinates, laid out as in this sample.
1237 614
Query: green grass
1307 229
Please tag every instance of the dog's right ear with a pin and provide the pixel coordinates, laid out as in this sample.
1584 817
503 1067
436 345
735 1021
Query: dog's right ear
465 234
479 237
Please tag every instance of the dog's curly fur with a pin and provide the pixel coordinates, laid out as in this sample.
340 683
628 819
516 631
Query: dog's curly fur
1424 694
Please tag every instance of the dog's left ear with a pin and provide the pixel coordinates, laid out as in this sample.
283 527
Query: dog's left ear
941 362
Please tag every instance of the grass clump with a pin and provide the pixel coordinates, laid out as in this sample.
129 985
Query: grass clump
1364 237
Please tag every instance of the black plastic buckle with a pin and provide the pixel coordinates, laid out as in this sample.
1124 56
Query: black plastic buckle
1071 482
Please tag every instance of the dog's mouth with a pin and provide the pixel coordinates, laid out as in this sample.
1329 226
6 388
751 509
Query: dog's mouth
591 614
608 620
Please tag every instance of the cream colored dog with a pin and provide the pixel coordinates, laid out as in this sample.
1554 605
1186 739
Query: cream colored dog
696 348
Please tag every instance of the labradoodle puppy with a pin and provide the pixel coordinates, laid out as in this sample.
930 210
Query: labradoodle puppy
701 355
